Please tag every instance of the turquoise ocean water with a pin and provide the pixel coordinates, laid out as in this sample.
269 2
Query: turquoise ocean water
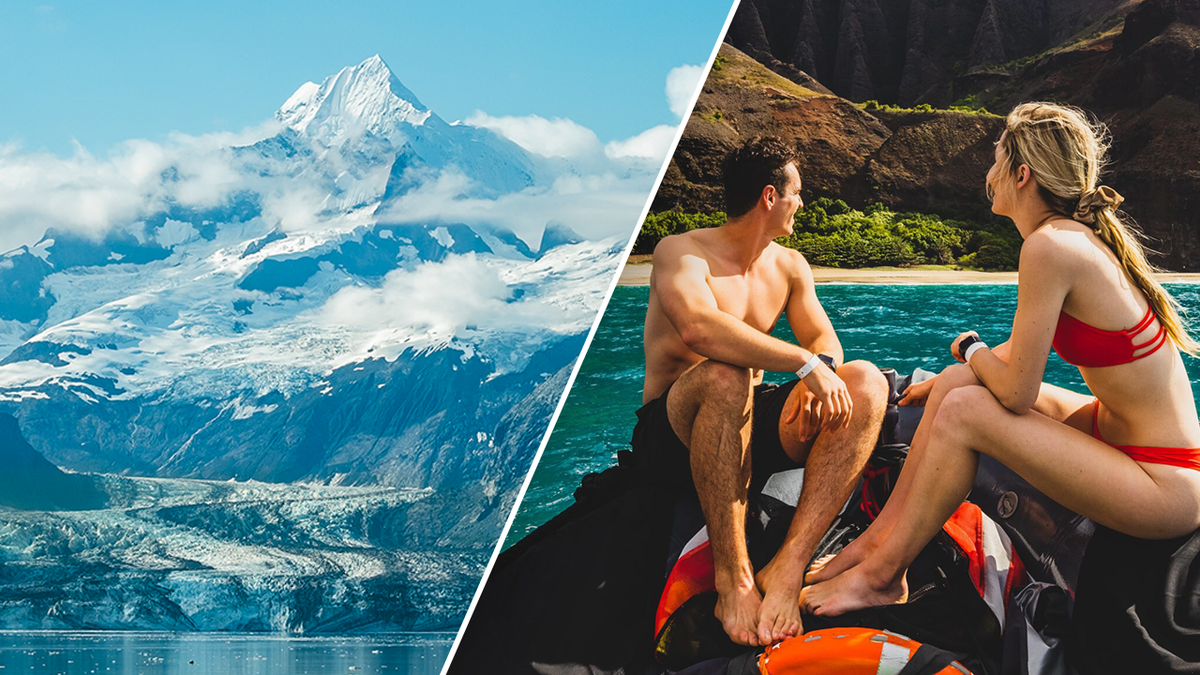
167 653
897 326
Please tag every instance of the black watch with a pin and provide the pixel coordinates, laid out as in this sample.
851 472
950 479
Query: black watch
967 342
828 360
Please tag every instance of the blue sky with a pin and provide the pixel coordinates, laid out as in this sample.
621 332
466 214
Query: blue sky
104 72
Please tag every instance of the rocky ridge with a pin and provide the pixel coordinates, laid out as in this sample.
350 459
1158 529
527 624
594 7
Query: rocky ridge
1132 64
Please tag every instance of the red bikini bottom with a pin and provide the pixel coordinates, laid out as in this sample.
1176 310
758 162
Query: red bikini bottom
1187 458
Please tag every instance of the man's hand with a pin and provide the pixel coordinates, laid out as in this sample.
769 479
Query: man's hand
824 404
808 411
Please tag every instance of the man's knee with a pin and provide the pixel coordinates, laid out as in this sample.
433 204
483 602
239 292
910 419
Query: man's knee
868 386
707 385
711 379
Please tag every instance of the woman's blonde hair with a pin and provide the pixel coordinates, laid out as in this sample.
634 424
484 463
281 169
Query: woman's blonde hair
1066 149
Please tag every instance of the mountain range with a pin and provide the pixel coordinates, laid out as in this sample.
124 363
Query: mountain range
286 312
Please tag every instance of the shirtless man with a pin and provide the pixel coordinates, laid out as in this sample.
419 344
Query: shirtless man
715 295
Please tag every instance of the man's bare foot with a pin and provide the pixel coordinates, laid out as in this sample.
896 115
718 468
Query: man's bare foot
779 615
854 589
828 567
737 610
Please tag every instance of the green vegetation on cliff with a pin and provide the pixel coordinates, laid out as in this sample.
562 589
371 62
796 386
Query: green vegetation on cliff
969 105
830 233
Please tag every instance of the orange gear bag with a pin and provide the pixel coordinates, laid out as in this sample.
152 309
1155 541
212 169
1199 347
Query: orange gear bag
848 651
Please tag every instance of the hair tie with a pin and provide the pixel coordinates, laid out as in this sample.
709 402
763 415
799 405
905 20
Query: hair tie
1103 197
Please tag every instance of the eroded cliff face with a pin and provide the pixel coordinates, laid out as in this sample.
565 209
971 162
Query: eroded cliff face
800 65
908 52
932 161
1142 78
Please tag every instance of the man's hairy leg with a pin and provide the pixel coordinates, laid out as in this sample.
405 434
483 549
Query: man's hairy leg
831 470
710 410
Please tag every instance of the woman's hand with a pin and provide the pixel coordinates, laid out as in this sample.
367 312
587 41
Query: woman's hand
917 393
955 351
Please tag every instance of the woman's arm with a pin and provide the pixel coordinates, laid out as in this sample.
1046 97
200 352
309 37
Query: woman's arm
1043 285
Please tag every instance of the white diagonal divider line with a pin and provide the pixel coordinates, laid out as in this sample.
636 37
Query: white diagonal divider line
588 342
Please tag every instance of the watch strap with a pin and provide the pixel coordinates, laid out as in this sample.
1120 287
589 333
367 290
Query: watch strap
807 368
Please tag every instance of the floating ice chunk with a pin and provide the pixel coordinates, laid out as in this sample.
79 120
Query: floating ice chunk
442 235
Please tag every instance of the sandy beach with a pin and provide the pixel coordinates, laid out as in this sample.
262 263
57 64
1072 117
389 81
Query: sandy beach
637 273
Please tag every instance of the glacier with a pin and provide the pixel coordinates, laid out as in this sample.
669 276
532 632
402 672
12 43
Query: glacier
178 554
306 411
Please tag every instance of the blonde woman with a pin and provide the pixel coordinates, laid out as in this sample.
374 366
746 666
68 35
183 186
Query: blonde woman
1127 457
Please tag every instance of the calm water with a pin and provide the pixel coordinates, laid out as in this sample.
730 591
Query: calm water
50 652
902 327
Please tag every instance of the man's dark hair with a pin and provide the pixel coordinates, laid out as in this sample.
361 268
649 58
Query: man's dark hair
747 170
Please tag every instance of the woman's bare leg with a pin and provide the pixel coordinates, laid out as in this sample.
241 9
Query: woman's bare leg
1054 402
1077 470
952 377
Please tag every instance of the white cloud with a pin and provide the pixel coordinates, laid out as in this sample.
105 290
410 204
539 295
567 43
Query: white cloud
682 83
596 206
651 144
557 137
442 298
89 196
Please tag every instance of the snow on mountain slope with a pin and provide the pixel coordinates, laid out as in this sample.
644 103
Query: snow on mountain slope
364 99
179 344
190 317
361 105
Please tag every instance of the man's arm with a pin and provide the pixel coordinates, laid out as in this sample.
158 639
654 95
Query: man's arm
807 318
689 304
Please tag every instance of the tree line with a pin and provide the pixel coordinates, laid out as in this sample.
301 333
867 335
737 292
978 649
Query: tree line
831 234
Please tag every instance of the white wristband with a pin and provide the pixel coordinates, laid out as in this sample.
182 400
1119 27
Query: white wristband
808 367
972 349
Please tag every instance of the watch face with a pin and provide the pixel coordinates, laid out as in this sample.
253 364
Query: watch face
966 344
828 361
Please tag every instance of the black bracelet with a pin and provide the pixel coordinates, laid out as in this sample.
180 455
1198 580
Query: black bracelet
828 360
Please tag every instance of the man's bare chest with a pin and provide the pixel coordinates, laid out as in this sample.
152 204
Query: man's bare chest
757 302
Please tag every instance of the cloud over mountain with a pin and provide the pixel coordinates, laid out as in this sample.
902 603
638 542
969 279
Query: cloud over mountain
324 152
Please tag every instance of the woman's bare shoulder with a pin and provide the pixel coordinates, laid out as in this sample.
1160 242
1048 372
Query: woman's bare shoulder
1058 242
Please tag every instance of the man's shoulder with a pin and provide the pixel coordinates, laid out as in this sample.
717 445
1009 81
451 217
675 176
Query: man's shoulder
789 261
679 242
788 255
673 248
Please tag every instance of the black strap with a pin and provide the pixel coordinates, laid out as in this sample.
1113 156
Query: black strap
928 660
745 663
967 342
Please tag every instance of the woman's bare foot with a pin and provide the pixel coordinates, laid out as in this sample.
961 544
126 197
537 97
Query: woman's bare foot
854 589
828 567
780 581
737 610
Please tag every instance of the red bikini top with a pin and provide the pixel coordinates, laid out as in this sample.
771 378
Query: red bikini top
1083 345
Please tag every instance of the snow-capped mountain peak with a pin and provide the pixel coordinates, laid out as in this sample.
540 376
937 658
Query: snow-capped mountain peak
358 99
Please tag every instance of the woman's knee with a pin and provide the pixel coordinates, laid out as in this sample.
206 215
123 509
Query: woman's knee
955 376
964 410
